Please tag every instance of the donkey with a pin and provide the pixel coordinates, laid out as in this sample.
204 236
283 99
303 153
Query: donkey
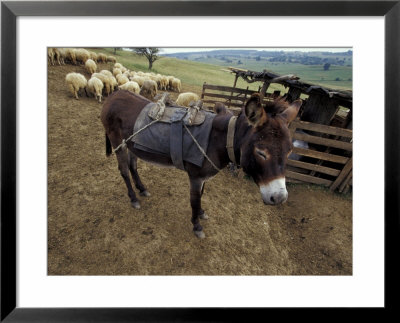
260 144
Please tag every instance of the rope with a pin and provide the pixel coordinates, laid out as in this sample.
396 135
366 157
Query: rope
161 109
123 144
201 149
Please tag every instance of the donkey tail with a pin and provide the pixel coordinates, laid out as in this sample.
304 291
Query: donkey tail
108 146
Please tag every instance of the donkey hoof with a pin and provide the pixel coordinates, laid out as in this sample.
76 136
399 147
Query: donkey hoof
145 193
135 204
199 234
204 216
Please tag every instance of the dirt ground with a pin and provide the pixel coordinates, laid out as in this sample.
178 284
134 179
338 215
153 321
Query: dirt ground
93 230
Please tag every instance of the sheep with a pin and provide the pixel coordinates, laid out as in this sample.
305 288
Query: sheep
130 86
53 55
75 82
170 78
138 79
175 84
122 79
107 81
118 65
63 55
164 82
149 89
95 86
111 59
116 71
101 58
70 55
82 55
50 55
185 98
114 83
106 72
93 56
91 66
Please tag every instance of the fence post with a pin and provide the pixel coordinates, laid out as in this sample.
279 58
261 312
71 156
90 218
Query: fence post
345 171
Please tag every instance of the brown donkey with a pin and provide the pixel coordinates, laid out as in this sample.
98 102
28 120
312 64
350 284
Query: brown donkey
259 137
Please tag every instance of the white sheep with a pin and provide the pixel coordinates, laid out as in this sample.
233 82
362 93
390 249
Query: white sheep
164 82
185 98
149 89
91 66
106 72
101 58
121 79
175 84
116 71
138 79
130 86
118 65
95 86
70 55
54 56
114 83
63 55
82 55
50 55
111 59
107 81
93 56
75 82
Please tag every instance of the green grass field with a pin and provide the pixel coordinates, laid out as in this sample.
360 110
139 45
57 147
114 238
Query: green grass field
195 73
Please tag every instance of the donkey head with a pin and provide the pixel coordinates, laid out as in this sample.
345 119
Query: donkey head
267 145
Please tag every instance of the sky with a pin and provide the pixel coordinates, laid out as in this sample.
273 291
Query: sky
291 49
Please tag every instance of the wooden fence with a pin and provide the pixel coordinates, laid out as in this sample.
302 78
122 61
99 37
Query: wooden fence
232 97
327 161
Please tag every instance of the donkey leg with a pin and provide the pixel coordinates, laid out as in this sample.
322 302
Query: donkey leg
135 175
123 166
203 215
196 185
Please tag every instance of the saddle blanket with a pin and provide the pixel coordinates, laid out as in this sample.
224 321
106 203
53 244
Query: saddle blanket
170 138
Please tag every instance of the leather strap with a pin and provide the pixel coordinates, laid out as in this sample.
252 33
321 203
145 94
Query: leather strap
176 144
229 139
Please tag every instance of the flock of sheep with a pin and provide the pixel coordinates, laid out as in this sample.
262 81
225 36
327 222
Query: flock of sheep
106 82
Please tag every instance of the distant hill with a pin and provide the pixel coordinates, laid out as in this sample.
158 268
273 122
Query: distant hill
239 56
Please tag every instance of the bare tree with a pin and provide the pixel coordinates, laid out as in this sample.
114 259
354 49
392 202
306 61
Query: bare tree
149 52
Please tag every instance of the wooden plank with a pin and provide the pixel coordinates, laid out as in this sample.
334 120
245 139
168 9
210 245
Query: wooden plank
227 89
324 141
320 155
319 109
224 96
323 128
293 94
345 171
317 168
308 179
346 181
264 90
239 105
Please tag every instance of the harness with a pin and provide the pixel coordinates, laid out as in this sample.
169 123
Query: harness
229 139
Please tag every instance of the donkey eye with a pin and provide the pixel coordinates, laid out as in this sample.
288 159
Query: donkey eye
262 153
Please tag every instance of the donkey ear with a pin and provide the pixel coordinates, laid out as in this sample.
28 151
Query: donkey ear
291 111
254 111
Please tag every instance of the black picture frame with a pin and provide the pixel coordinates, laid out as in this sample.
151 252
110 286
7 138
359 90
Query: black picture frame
10 10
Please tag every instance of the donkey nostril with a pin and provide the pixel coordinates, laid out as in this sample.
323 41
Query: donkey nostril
272 199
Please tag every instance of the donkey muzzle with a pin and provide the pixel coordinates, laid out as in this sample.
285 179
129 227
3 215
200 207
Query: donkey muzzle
274 192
